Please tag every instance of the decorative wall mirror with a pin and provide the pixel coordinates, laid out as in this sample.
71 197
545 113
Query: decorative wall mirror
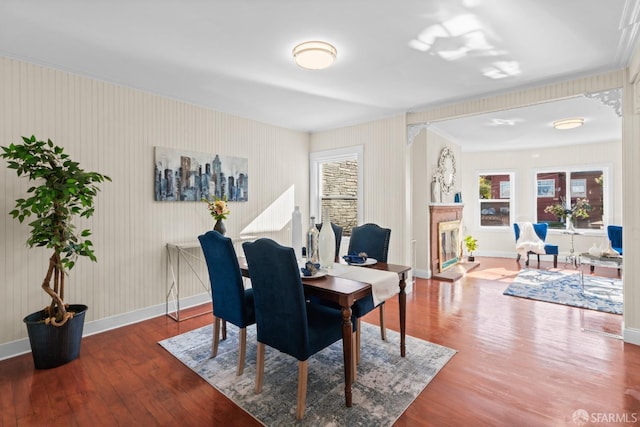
447 170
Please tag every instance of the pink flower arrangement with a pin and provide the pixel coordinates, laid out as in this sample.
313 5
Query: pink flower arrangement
218 208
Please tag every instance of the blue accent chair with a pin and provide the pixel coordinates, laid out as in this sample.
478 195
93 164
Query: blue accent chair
284 319
615 237
231 302
374 240
337 231
541 231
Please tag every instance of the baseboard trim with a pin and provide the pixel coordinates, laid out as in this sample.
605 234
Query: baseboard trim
422 274
630 335
21 346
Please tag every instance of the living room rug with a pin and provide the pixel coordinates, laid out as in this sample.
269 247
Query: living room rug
600 293
385 386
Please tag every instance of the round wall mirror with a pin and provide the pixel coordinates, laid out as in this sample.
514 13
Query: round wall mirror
447 167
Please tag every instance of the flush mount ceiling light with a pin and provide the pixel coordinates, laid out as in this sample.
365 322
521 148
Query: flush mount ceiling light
568 123
314 55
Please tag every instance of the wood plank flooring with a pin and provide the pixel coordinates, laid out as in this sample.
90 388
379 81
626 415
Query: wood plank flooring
519 363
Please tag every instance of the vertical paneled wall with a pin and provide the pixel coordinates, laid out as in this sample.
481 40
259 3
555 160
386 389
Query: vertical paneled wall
113 130
631 206
384 183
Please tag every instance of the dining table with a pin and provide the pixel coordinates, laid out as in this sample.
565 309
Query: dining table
344 293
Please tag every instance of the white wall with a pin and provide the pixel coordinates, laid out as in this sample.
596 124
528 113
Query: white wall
112 130
500 242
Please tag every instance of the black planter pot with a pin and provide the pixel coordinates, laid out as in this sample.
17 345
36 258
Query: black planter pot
52 346
471 258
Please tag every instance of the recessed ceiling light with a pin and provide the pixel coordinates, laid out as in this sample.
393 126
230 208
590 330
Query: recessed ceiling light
314 55
568 123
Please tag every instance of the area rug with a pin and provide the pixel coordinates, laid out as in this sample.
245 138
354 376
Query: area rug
386 383
599 293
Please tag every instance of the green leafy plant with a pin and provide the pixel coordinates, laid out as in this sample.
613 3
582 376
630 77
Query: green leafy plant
63 191
471 244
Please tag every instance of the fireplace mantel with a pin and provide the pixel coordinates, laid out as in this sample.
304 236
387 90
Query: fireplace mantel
440 212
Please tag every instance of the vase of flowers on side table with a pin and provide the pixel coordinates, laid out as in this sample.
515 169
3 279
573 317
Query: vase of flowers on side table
568 212
219 210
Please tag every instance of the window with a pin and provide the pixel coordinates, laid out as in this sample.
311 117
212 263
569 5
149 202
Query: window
580 192
336 183
495 199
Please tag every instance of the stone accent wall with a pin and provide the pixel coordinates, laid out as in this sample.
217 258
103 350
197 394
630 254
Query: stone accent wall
340 192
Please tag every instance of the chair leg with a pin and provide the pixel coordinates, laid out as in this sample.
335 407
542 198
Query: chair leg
538 260
518 257
224 329
383 330
259 367
243 350
303 368
216 337
526 263
357 348
555 261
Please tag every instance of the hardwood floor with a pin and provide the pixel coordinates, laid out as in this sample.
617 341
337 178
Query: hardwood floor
519 363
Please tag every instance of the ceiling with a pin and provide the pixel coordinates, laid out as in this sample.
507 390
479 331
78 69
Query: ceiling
532 126
235 56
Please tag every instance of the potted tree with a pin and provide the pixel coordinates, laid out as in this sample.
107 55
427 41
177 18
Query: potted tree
62 192
472 245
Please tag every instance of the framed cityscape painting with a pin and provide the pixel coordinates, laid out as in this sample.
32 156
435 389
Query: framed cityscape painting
190 176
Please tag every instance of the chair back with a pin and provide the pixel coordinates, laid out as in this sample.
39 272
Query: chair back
227 289
281 315
372 239
337 231
540 229
615 236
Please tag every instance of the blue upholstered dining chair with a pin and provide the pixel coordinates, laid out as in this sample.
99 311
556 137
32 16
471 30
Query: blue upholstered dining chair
541 232
374 240
337 231
231 301
284 319
614 232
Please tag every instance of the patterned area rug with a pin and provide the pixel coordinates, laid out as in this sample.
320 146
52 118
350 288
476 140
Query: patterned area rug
386 383
599 293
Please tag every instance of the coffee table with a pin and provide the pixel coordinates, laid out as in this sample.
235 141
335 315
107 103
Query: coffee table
585 258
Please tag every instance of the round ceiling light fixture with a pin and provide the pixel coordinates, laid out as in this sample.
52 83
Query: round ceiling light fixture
568 123
314 55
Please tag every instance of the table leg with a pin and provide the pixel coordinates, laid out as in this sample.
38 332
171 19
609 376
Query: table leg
347 350
402 297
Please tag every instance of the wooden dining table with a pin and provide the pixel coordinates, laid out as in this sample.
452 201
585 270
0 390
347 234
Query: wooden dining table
345 292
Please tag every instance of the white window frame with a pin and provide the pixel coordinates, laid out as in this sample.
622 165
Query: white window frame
511 199
315 182
607 203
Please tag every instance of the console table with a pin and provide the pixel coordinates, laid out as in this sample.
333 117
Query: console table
188 252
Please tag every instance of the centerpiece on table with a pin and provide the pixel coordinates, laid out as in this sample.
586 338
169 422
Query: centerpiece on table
579 210
219 211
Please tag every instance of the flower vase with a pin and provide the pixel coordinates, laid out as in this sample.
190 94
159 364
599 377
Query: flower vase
326 242
569 224
219 227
